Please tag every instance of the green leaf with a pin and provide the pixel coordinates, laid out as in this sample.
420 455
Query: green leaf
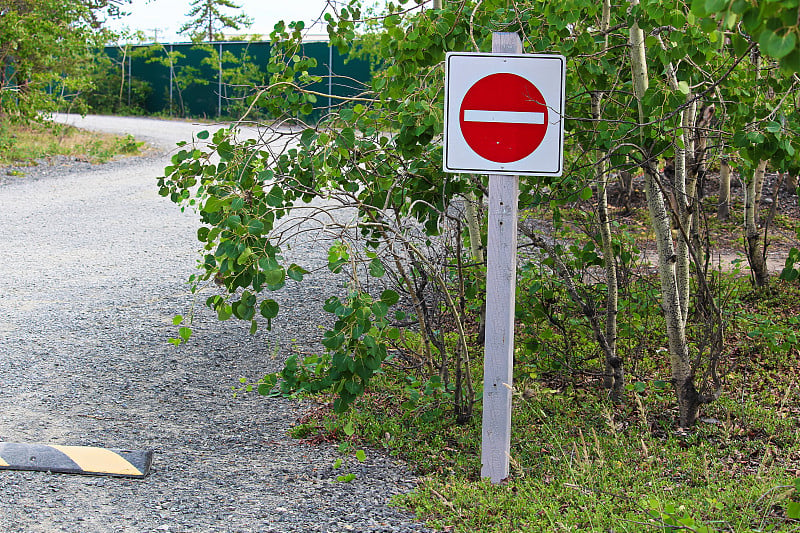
346 138
184 333
307 137
715 6
739 6
275 277
348 429
202 233
390 297
269 309
380 309
793 510
296 272
586 193
361 456
213 204
177 320
233 221
789 274
331 341
376 268
275 197
775 45
684 87
751 19
202 134
791 62
244 256
224 312
255 227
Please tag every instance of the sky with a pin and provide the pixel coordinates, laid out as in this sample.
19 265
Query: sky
166 16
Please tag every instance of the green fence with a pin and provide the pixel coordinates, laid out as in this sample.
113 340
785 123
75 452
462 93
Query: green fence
188 79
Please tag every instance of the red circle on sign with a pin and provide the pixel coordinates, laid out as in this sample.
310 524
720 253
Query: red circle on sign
503 117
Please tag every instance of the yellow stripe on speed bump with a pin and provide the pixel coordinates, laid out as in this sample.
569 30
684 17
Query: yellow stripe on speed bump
75 459
99 460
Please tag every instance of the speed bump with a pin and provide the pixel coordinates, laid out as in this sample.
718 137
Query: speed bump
75 459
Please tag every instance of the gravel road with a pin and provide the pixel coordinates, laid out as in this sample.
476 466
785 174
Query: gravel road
93 265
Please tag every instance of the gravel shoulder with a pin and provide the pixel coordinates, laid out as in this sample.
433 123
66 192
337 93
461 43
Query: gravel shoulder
93 265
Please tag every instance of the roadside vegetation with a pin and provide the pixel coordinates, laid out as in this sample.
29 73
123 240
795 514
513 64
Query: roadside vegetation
47 56
656 349
580 462
27 144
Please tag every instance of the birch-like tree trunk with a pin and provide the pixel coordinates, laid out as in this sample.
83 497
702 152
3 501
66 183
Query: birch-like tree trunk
758 188
724 207
614 377
476 248
756 254
682 375
684 196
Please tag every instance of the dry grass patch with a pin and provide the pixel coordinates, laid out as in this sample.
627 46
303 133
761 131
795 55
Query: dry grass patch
24 144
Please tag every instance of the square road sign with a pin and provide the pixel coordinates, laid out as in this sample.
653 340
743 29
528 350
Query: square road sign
504 114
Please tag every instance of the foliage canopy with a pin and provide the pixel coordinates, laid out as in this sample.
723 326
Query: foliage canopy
46 51
378 158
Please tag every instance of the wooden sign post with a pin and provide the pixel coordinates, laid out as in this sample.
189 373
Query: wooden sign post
503 115
501 285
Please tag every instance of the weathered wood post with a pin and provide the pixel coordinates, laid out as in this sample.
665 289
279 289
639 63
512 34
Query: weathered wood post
501 277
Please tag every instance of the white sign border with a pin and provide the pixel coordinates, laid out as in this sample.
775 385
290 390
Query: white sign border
539 162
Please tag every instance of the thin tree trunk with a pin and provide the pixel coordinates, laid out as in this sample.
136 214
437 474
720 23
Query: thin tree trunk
684 184
773 209
476 251
791 183
473 227
684 196
626 181
699 163
613 379
122 75
210 21
758 187
682 376
724 207
756 254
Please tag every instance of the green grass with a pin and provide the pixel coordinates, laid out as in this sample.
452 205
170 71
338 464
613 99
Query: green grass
24 144
581 463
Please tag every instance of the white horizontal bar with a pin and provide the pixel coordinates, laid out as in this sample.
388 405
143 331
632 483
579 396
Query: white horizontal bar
510 117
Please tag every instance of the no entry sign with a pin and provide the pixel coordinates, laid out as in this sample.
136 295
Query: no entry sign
503 114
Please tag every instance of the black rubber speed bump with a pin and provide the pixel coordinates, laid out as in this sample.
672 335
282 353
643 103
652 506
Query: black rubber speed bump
75 460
